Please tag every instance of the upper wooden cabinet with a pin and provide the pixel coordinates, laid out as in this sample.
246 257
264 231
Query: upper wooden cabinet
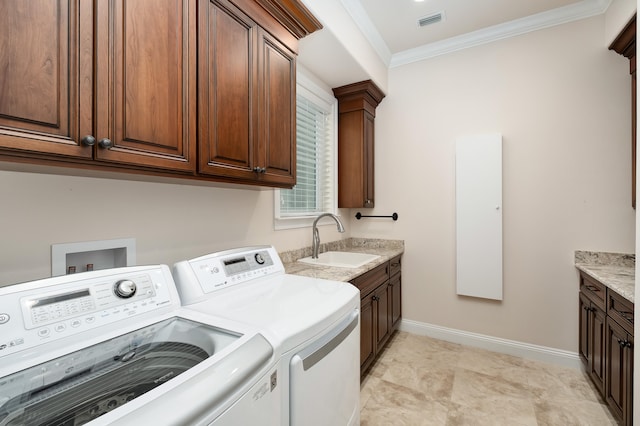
146 83
246 98
46 77
625 44
202 90
135 106
356 115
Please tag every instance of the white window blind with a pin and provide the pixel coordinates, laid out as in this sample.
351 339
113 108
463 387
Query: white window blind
314 192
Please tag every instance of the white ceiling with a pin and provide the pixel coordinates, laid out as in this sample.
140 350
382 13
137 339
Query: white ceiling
396 20
391 27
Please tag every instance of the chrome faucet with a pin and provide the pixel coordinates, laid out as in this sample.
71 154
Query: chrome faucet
316 235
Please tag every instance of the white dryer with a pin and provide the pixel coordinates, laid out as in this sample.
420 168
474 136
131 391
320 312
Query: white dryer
314 322
114 347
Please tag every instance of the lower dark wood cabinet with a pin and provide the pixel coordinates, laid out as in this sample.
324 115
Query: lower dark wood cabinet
606 345
380 308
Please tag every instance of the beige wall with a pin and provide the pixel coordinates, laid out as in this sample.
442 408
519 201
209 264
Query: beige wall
561 101
170 222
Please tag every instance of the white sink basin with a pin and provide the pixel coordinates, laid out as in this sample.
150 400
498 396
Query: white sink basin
341 259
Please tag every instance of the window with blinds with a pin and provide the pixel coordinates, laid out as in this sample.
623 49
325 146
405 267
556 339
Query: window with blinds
315 159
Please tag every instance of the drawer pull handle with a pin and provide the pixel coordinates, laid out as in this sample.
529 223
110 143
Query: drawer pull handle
592 288
625 314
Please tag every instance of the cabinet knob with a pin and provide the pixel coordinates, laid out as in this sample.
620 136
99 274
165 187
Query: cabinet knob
88 140
624 343
105 143
376 298
259 169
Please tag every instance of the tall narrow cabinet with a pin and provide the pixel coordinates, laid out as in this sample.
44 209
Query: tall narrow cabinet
356 115
625 44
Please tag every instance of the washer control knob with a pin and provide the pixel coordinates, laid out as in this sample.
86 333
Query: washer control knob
124 289
259 258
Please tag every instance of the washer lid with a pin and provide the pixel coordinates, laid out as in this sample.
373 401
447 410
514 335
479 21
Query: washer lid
83 385
289 309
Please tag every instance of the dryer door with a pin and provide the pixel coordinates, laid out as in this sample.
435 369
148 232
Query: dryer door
325 378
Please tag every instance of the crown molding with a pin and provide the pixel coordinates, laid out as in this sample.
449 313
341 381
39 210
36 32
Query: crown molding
562 15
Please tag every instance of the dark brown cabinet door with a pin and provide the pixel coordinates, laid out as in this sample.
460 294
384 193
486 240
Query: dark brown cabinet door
276 142
46 76
351 160
146 83
592 322
396 300
619 371
355 159
583 321
227 85
597 346
383 320
367 333
369 161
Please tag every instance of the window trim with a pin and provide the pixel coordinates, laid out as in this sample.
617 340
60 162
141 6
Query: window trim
309 89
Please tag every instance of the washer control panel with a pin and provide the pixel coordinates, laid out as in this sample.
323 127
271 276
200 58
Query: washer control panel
42 311
221 270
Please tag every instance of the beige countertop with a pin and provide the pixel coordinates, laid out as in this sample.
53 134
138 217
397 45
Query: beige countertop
386 249
616 271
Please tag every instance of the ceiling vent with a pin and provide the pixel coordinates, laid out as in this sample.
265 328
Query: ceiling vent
434 18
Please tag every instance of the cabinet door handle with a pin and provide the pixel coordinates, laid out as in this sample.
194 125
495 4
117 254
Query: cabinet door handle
624 343
105 143
259 169
88 140
626 315
376 298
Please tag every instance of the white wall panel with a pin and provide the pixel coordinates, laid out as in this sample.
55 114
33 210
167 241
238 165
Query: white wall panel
479 216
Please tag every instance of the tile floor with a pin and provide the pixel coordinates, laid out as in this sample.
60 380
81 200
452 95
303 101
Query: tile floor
418 381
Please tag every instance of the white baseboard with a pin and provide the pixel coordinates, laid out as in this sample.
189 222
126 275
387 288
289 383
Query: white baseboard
495 344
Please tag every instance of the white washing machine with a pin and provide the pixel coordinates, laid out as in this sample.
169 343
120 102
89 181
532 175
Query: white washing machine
114 347
314 322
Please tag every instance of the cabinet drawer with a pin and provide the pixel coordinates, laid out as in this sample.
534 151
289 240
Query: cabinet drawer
395 265
621 310
594 290
368 281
